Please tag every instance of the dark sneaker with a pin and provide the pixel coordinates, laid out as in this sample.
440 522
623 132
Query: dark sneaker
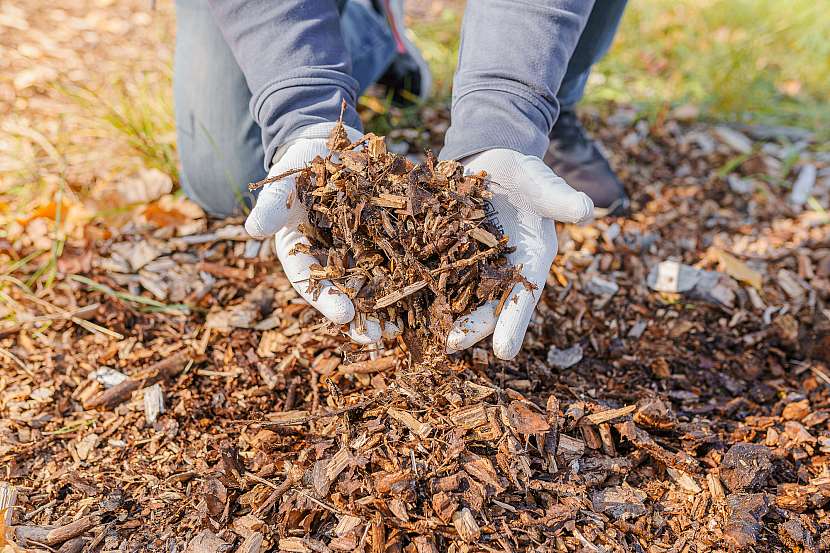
408 76
576 158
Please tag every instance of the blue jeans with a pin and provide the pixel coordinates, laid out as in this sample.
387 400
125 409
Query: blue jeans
219 143
593 43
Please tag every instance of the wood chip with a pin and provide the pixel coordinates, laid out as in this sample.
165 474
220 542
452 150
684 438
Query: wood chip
684 480
389 200
610 414
8 499
370 366
420 429
163 370
469 417
466 525
483 236
153 403
525 420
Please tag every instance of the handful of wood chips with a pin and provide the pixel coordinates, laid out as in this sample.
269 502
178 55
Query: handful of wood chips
409 244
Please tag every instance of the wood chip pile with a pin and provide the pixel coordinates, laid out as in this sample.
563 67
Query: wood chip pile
171 392
409 244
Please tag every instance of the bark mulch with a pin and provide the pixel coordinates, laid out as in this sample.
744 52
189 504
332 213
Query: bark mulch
170 391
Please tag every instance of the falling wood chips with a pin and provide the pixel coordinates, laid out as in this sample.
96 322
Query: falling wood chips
408 243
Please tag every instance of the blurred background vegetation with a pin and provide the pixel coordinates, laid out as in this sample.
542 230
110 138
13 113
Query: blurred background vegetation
754 61
87 91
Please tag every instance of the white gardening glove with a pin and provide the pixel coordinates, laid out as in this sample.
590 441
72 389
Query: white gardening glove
528 198
278 213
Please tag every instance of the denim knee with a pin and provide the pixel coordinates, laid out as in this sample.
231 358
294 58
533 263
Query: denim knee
219 144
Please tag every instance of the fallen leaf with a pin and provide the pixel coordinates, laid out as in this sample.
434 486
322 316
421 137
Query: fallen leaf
161 217
524 420
145 186
48 211
737 269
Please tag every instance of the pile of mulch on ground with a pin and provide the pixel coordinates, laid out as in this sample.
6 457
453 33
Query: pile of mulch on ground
671 394
407 243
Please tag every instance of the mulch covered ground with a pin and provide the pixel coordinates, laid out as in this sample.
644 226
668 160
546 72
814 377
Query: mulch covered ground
163 387
170 390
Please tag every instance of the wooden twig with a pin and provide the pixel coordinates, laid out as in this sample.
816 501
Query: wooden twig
161 371
294 476
470 260
259 184
24 535
72 530
398 295
610 414
51 535
295 421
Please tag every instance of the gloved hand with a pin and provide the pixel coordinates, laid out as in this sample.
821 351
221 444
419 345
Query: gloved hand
528 198
278 213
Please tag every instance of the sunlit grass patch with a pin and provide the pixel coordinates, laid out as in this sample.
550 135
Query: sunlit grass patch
139 113
438 40
749 60
745 60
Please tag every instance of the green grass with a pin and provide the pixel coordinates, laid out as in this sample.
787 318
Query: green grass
757 61
761 61
140 112
143 303
751 60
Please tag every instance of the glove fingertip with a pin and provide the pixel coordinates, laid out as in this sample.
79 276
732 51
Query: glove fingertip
254 228
363 339
264 220
584 208
340 312
371 333
506 349
455 338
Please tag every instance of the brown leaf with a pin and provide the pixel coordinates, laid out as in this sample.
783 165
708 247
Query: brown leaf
162 217
737 269
48 211
524 420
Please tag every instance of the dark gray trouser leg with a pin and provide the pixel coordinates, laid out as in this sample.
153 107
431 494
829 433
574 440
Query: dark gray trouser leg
594 42
220 145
